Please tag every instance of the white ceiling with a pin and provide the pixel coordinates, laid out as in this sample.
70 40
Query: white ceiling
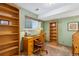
49 11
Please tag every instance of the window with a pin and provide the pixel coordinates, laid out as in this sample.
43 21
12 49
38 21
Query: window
31 23
28 23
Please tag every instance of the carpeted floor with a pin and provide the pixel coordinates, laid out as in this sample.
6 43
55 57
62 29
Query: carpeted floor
55 50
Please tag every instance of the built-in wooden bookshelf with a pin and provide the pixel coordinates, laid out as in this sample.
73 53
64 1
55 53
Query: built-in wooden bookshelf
53 31
4 9
9 33
9 42
8 17
8 50
10 25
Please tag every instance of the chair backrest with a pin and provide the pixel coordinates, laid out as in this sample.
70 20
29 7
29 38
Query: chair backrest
42 36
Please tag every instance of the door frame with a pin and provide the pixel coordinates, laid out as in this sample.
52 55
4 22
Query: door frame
56 29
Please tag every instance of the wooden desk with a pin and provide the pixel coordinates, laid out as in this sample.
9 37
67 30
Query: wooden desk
28 43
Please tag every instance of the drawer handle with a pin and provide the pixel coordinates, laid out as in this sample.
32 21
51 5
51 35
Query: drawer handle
76 47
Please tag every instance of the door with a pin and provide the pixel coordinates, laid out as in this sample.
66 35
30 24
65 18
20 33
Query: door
53 32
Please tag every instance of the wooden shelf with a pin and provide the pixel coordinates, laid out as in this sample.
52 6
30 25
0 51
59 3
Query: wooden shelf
8 42
8 49
8 34
53 31
10 25
8 9
8 17
53 38
53 34
53 26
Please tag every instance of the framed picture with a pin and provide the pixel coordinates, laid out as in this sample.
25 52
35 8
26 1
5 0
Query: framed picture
73 26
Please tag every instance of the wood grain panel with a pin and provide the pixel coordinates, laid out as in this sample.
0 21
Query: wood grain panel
9 34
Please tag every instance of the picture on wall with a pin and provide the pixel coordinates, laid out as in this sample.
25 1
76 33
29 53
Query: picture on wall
73 26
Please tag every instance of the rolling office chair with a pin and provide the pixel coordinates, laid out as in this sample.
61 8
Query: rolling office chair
39 45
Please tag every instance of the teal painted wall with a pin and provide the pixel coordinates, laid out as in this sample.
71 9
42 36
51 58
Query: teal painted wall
46 30
24 13
64 35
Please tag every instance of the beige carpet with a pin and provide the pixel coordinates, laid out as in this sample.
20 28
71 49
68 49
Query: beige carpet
54 50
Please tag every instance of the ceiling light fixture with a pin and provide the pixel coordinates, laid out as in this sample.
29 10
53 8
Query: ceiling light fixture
37 9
